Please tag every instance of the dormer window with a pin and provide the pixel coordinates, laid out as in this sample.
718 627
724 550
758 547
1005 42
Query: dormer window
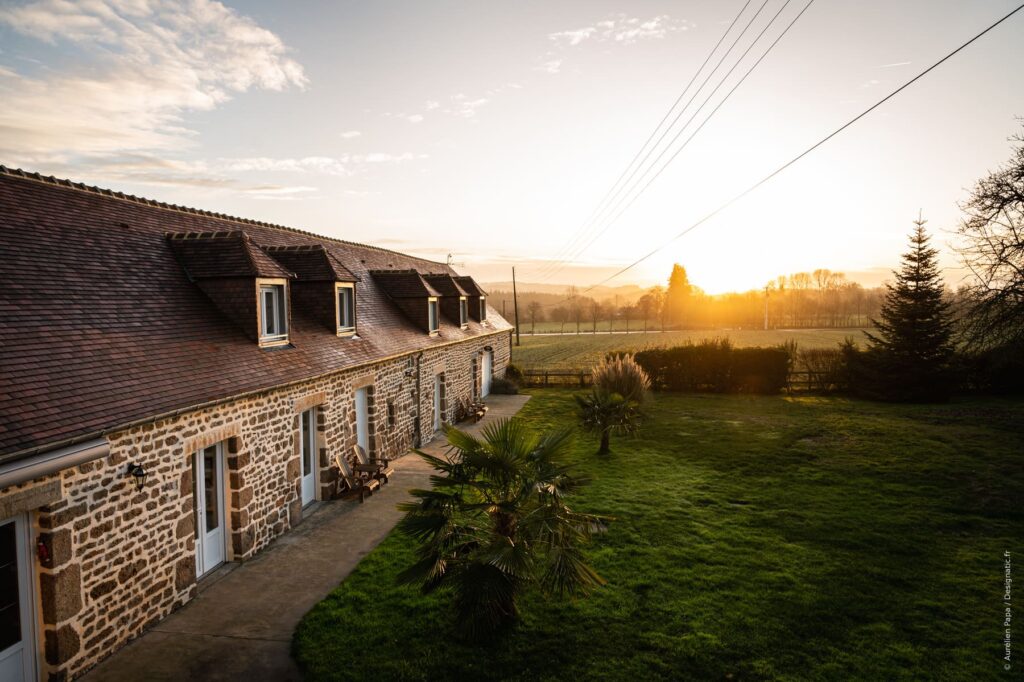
483 308
432 316
273 314
345 297
463 312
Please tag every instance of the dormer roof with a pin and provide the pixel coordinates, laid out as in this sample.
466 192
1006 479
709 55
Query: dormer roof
311 263
446 284
223 254
404 284
469 284
147 340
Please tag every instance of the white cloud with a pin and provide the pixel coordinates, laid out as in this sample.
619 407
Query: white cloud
895 64
870 83
431 105
145 64
550 66
350 134
574 37
414 118
465 107
622 29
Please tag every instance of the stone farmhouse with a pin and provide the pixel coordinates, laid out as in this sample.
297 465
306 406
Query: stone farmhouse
174 387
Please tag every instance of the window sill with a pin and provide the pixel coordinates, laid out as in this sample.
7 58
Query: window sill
342 333
274 343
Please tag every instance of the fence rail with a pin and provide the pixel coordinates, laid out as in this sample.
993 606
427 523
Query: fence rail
557 377
799 380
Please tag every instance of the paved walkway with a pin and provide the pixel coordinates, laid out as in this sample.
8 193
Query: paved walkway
240 625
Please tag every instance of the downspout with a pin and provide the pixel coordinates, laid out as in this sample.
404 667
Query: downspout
417 428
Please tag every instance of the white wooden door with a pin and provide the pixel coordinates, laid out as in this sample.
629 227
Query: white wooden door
308 454
208 472
362 419
485 379
17 624
437 402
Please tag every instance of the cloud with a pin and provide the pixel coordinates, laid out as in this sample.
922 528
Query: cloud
431 104
622 29
465 107
144 65
550 66
894 64
870 83
414 118
350 134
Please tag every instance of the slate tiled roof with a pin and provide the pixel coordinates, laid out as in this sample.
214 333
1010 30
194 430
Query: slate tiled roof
406 283
311 263
469 284
445 285
212 255
102 327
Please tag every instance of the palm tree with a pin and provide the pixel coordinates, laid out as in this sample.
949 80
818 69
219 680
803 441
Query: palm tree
496 522
603 412
615 404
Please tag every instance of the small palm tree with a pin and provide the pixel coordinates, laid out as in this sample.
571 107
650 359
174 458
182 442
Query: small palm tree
620 389
496 522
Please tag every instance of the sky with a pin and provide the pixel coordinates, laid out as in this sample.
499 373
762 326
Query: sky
492 131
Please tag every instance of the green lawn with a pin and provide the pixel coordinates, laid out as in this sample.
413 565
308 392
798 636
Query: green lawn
585 350
755 538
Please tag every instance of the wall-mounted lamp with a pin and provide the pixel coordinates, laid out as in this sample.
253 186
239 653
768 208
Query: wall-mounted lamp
488 348
139 474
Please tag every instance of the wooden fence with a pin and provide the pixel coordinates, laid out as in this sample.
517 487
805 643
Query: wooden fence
799 380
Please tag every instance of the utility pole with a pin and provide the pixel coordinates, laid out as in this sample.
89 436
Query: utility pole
503 309
766 307
515 302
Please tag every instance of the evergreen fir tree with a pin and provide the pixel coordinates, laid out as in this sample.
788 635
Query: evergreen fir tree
912 347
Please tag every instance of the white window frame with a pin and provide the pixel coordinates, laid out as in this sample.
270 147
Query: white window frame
463 311
343 329
483 308
433 315
280 312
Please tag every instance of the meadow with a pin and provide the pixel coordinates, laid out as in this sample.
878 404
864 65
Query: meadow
583 351
755 538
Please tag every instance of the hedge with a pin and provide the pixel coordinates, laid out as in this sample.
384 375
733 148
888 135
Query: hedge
716 367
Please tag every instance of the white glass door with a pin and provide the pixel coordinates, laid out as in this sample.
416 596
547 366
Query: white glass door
362 420
208 473
485 380
437 403
17 640
307 434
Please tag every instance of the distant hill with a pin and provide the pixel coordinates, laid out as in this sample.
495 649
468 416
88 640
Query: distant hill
626 293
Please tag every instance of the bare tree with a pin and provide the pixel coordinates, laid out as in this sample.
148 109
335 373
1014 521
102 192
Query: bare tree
536 311
627 312
560 314
992 247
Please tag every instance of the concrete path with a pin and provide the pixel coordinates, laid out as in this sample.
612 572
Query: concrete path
240 625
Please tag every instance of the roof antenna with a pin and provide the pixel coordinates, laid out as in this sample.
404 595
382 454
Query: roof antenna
450 262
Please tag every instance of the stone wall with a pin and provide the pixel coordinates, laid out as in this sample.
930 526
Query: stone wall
120 560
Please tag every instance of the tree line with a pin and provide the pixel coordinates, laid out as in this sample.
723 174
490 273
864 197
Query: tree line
822 298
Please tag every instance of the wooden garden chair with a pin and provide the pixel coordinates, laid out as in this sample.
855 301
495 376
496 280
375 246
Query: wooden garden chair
352 484
378 468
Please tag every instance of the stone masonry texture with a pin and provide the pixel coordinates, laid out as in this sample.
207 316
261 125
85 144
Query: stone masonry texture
118 560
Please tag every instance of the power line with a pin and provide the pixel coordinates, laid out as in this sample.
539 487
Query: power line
672 158
807 151
686 142
598 209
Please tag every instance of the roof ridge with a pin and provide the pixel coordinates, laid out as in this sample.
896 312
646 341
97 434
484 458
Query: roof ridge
92 189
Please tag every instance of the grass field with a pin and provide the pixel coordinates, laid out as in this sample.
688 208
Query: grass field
583 351
756 538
